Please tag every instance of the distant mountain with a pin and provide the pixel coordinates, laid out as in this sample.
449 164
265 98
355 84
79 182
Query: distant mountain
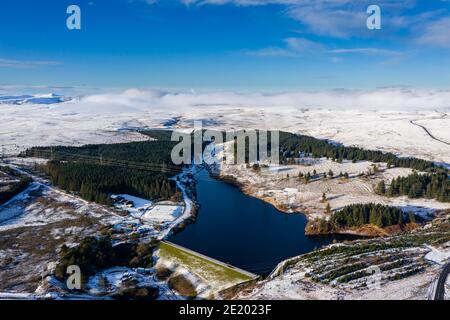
34 99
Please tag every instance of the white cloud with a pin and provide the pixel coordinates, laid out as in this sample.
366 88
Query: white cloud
292 47
335 18
347 19
436 33
295 47
147 100
367 51
330 21
302 45
12 63
336 59
270 52
96 118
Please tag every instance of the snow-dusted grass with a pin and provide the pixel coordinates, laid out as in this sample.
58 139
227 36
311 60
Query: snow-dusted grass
282 186
110 280
37 205
26 161
75 123
212 275
93 121
16 296
407 269
438 255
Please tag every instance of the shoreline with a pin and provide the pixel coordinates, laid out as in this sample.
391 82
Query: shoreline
246 190
190 202
366 231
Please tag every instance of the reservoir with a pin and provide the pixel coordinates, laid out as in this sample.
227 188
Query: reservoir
244 231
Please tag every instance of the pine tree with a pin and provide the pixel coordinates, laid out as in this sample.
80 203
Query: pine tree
381 188
379 220
307 178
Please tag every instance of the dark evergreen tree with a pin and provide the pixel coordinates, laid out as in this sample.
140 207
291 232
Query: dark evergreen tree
356 215
431 185
381 188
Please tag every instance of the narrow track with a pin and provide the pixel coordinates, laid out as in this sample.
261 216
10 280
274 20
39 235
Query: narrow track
440 286
428 132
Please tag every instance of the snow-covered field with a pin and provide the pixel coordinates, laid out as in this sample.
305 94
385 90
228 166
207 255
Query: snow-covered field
161 217
104 118
36 222
420 131
145 216
136 207
163 213
294 286
439 256
33 225
111 281
282 186
23 210
403 270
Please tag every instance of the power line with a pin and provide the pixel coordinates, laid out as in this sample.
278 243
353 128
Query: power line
153 167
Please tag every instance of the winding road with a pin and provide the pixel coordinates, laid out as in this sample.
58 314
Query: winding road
428 132
440 286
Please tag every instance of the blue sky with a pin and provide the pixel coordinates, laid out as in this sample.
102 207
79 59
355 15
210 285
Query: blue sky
225 44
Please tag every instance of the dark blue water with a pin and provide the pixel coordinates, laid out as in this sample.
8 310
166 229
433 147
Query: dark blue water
244 231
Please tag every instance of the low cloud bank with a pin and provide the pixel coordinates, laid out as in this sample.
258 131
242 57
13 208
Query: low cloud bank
148 100
383 99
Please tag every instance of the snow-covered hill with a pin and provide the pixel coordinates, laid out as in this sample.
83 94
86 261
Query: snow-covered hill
33 99
385 120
